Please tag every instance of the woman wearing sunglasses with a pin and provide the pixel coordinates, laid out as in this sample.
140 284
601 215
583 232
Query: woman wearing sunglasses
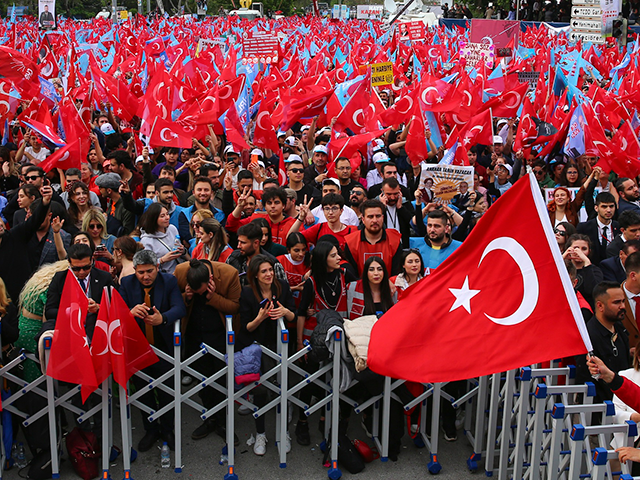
563 231
95 223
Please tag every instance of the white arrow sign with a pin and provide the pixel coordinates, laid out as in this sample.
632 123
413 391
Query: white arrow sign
586 12
579 24
586 37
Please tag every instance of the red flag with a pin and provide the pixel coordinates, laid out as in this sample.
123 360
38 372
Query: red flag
352 116
101 341
130 350
70 359
399 111
234 130
527 129
507 104
416 146
304 105
511 249
169 134
63 158
265 134
346 146
479 130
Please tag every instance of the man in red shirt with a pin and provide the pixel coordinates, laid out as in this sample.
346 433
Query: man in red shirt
274 201
374 240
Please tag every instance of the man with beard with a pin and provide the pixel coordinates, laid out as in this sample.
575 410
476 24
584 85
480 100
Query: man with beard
357 196
437 244
249 237
629 195
399 214
608 337
374 240
203 193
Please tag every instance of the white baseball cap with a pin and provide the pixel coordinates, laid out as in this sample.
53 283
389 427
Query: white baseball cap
320 149
381 157
257 151
291 141
497 139
230 149
294 158
508 167
331 180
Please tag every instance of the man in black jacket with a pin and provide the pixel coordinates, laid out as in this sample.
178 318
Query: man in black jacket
398 214
613 269
602 229
91 279
14 254
156 303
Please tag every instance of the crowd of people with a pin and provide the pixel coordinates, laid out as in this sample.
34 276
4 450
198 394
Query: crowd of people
200 232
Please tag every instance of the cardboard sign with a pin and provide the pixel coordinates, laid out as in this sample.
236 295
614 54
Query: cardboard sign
381 73
259 47
369 12
47 14
530 77
446 181
476 53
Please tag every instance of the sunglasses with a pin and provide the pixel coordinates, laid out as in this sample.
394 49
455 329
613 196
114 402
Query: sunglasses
195 224
296 170
82 268
538 172
562 233
95 227
32 177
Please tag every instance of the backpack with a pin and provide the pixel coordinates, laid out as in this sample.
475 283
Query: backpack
84 452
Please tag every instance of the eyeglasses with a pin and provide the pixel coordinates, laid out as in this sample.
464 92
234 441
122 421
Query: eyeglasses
343 168
82 268
32 178
562 233
334 208
95 227
296 170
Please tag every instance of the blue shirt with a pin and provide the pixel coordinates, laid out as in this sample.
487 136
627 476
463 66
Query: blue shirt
433 257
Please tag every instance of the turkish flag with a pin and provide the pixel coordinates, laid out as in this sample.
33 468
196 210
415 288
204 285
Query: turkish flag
507 104
346 146
352 116
101 341
169 134
63 158
130 350
265 134
416 145
504 296
479 130
399 111
70 359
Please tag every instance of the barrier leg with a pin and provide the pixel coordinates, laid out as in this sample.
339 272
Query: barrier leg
230 475
507 414
479 433
433 465
284 396
125 428
522 422
106 428
51 412
386 409
177 405
334 472
493 423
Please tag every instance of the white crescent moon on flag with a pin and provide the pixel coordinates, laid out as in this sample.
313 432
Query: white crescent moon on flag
531 287
112 328
162 133
102 325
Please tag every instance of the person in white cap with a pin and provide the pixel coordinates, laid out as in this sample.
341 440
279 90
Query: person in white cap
499 178
315 173
232 164
295 174
374 177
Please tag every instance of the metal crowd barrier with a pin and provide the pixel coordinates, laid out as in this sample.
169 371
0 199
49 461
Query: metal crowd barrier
524 423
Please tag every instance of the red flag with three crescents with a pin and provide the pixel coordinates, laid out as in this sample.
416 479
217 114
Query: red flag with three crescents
501 301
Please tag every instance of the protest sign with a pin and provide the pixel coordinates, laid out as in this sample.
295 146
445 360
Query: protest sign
259 47
476 53
446 181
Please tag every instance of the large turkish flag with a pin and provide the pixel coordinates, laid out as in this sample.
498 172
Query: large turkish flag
501 301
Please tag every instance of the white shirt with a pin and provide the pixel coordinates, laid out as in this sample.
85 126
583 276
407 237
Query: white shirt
623 411
348 217
38 157
373 178
392 218
600 227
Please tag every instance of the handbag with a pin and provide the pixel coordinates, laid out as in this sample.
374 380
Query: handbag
84 451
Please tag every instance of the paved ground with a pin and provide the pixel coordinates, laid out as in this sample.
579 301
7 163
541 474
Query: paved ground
201 458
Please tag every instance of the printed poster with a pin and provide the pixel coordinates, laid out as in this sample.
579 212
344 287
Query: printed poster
446 181
47 14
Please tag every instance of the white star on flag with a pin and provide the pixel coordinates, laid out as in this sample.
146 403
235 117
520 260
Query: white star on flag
463 296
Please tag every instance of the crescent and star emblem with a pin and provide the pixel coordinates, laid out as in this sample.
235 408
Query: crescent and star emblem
530 283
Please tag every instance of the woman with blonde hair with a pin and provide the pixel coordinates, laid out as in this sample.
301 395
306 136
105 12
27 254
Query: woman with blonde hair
95 223
32 302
